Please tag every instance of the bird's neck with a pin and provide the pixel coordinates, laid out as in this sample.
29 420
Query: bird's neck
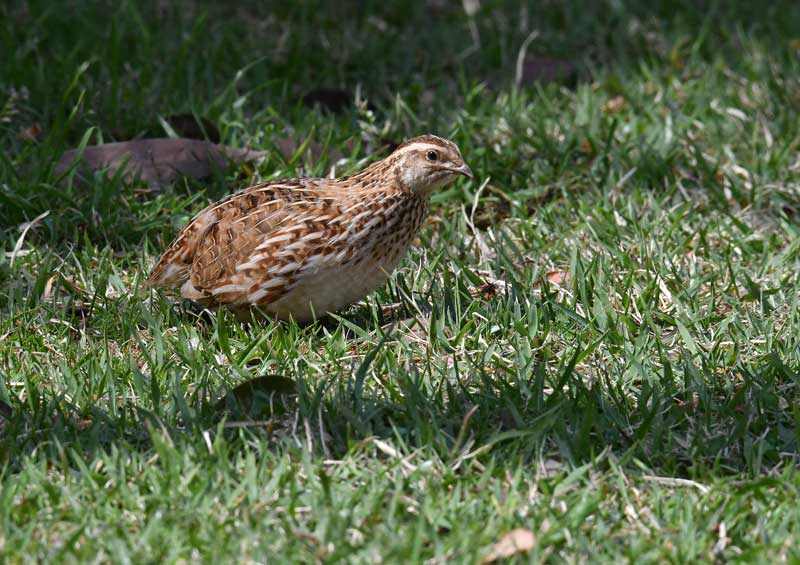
381 178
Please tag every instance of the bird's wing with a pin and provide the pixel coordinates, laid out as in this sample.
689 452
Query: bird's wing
211 240
172 268
254 245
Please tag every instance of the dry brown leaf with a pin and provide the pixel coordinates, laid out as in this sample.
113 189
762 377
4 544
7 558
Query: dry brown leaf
491 212
84 424
516 541
332 99
614 105
47 293
157 161
31 134
557 277
255 394
490 288
541 68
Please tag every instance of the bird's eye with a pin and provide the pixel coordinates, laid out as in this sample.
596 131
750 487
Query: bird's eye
433 156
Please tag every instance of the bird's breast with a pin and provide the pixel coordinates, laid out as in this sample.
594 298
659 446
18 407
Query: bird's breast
377 250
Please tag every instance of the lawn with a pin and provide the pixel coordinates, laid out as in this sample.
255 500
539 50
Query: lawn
595 343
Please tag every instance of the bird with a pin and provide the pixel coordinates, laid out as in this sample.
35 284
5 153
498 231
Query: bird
303 248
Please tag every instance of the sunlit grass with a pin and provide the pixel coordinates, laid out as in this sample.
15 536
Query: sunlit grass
597 339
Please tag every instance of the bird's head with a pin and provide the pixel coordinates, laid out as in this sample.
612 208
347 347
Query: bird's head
425 163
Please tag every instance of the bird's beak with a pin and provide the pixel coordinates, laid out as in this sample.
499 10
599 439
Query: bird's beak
464 170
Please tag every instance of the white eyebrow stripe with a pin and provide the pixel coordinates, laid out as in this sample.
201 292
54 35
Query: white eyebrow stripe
420 146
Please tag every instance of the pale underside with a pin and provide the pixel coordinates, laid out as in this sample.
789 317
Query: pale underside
332 289
292 249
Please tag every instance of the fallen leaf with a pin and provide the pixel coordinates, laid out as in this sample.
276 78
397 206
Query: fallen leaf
557 277
490 212
332 99
516 541
156 161
542 68
257 395
586 147
84 424
490 288
32 134
47 293
614 105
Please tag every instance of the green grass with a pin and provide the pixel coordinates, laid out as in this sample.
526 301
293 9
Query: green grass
597 340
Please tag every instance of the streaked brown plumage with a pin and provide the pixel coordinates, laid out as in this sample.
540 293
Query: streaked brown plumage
300 248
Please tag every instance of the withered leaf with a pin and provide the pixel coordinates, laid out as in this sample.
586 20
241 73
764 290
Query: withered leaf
331 99
158 161
614 105
256 395
518 540
542 68
558 277
32 134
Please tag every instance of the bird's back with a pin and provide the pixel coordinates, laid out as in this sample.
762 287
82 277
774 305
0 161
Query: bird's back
212 244
299 247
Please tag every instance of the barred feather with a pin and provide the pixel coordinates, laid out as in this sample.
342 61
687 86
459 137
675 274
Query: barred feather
300 248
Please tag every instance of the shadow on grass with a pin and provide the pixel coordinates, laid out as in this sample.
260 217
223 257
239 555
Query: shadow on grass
419 47
685 418
741 424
